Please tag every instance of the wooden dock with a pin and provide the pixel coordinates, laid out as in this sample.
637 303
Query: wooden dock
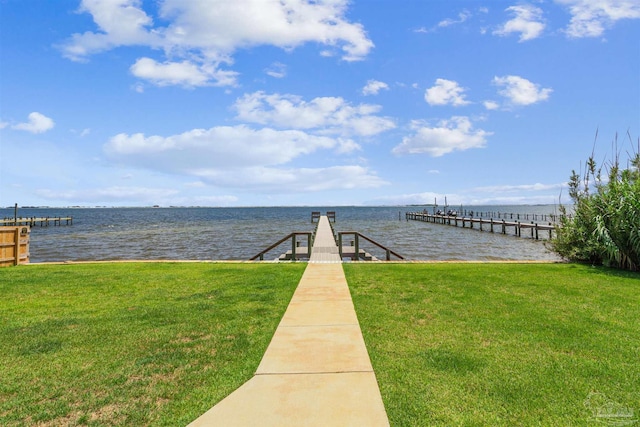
324 244
41 221
492 225
302 253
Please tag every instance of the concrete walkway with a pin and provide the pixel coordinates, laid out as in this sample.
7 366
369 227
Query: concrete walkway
316 370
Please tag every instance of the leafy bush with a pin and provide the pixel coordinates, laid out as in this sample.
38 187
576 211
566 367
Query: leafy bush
604 228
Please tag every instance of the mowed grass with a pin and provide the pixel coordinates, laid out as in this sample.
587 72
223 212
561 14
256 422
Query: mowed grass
500 344
133 343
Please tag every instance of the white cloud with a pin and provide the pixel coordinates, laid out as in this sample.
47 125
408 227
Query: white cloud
346 146
506 194
212 201
520 91
183 73
590 18
220 147
277 70
224 26
462 17
373 87
475 200
200 36
330 115
518 188
109 194
3 124
527 21
294 179
121 23
491 105
445 92
241 157
455 134
425 198
38 123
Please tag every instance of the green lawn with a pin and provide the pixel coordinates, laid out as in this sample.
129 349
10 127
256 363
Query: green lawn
452 344
133 343
500 344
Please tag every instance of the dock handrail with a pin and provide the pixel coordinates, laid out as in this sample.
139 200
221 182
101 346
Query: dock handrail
291 236
357 235
331 216
491 222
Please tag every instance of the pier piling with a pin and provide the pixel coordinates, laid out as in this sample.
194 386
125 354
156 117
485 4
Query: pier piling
504 224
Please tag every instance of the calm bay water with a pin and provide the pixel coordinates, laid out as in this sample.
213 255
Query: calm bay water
240 233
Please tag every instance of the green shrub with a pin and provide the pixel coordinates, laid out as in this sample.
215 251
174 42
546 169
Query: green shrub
604 228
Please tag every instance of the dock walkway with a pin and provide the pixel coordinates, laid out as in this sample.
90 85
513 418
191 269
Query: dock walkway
316 370
483 224
33 221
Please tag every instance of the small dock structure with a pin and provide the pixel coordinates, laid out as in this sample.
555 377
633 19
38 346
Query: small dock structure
331 216
325 244
41 221
492 225
32 221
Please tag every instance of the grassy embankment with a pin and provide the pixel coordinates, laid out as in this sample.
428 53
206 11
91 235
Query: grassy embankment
500 345
133 343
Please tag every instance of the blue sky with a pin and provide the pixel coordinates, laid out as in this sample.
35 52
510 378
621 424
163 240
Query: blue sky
296 102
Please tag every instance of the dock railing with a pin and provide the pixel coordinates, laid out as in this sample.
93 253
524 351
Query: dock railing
33 221
294 244
331 216
357 236
454 220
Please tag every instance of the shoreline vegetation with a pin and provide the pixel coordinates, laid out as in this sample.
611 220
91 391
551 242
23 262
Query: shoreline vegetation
153 343
605 227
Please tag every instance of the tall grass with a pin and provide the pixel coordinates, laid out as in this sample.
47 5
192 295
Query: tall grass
605 226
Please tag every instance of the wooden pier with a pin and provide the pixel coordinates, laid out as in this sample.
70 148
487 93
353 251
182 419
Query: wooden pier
331 216
492 225
41 221
325 243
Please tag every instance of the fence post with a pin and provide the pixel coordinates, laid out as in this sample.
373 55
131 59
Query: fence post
357 248
16 246
293 247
